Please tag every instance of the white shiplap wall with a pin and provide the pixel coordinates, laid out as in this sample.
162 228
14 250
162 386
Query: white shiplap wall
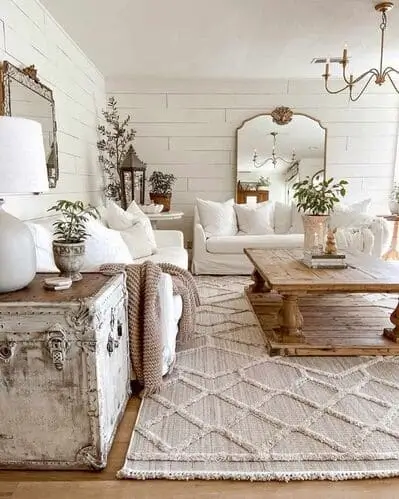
188 128
29 35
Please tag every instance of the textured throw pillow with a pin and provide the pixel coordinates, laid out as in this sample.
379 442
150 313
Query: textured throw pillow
217 219
137 241
104 246
43 238
351 215
282 217
119 219
256 218
296 220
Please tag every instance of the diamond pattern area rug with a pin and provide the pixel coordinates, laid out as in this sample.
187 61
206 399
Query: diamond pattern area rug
229 411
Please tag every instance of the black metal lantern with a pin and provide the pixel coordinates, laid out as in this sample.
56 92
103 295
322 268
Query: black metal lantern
132 175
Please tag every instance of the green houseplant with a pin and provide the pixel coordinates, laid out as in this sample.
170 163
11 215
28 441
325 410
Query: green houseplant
115 139
161 188
317 200
263 183
70 235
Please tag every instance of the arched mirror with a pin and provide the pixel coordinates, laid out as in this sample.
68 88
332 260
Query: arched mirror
276 150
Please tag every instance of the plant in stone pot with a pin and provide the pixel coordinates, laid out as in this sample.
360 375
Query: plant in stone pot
161 188
317 200
70 235
263 183
394 200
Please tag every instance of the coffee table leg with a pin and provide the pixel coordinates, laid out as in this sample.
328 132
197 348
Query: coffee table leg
259 285
393 333
290 320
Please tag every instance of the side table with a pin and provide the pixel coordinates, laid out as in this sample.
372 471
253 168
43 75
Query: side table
163 216
392 253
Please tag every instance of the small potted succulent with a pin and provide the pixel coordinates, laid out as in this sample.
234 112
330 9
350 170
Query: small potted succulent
161 188
70 235
394 200
316 200
263 183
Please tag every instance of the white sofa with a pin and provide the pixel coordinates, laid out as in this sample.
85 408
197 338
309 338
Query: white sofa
223 254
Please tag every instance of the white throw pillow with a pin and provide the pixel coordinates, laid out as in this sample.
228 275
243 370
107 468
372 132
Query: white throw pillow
119 219
282 217
137 241
256 218
217 219
296 220
104 246
43 238
351 215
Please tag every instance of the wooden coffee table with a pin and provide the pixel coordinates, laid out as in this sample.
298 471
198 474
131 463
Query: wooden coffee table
335 319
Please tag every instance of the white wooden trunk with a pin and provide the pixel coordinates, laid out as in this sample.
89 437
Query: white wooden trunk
64 373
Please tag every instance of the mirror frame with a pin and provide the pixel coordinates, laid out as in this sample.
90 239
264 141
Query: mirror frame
28 78
282 115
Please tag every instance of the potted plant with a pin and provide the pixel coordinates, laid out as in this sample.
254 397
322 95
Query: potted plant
161 188
394 202
70 234
316 200
263 183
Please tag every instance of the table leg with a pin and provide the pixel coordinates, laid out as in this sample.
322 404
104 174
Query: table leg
259 285
393 253
393 333
290 320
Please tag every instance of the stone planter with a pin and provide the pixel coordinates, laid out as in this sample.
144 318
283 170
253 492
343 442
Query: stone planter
69 259
315 228
163 199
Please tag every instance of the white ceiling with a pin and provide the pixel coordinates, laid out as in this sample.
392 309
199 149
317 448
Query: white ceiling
225 38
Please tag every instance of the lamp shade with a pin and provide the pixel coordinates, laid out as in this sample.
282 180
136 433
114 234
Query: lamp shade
22 157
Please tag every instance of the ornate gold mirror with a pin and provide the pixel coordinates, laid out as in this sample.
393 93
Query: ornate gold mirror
276 150
22 94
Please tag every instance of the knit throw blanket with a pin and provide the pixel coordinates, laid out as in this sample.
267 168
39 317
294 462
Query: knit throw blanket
144 311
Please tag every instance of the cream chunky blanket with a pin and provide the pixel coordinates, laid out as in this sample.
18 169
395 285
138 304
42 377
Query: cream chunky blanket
143 315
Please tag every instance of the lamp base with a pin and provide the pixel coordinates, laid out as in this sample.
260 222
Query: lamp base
17 253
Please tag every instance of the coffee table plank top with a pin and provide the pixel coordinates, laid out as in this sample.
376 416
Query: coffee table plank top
283 271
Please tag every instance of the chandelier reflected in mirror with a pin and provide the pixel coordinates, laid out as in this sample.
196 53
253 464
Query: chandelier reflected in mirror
273 159
361 82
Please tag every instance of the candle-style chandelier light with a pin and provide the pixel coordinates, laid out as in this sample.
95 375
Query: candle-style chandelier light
274 159
379 74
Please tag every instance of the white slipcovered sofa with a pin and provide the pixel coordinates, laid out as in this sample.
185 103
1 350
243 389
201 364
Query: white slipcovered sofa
106 245
219 240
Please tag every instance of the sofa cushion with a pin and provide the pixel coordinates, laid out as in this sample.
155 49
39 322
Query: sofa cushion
255 219
104 246
175 255
217 219
282 217
43 237
119 219
236 244
296 220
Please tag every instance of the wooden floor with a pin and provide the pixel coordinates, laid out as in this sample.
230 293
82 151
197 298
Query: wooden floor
94 485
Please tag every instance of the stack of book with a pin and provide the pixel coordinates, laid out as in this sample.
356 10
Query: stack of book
325 261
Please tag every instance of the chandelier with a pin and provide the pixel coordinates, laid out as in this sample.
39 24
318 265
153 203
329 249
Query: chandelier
380 75
274 159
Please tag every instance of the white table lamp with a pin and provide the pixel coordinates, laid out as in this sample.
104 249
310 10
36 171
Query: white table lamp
22 170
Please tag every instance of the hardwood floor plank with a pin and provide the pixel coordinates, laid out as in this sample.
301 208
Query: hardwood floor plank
150 489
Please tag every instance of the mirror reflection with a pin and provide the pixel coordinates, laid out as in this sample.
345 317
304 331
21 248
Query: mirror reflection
22 94
271 157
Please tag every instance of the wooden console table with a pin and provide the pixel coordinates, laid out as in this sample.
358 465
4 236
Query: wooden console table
306 311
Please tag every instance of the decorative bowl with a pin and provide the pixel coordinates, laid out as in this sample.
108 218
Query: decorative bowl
152 208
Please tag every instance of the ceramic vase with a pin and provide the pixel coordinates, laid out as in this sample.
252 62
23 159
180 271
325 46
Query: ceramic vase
394 207
315 228
69 259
